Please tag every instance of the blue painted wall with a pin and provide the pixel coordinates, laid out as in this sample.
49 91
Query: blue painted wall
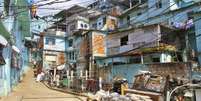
127 71
9 77
198 35
5 85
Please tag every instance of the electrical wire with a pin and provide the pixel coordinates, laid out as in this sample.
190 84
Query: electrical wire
87 1
48 8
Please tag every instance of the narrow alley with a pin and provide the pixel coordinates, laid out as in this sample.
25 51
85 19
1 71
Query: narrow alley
30 90
100 50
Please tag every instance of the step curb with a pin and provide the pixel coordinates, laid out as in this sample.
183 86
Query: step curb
64 91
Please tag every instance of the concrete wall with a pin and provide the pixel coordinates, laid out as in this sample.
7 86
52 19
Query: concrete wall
198 35
136 38
38 26
128 71
5 85
10 77
59 44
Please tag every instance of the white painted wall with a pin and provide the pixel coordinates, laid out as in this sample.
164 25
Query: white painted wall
165 57
136 38
59 45
79 22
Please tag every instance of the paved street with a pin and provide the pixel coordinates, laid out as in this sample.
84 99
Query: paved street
29 90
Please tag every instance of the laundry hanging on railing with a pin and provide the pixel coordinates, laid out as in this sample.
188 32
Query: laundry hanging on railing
183 25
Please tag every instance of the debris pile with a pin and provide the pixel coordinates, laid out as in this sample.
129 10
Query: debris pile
106 96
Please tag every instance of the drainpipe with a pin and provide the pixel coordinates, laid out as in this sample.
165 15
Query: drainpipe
112 68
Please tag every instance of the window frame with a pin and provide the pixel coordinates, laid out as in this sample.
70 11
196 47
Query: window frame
124 40
2 60
49 39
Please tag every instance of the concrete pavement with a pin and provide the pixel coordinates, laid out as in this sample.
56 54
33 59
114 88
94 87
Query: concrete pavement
29 90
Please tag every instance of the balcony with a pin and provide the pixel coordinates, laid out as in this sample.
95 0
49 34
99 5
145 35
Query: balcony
55 33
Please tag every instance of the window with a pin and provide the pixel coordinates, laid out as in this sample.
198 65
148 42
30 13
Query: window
81 25
76 55
94 25
69 55
124 40
2 61
72 27
138 14
128 19
72 55
156 59
6 6
70 43
104 20
85 26
159 4
135 60
50 41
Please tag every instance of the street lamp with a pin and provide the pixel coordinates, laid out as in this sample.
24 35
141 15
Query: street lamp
169 94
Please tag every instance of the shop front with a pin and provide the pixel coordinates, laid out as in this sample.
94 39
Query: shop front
15 66
4 67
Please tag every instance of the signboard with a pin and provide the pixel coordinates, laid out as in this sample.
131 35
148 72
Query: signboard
98 44
50 58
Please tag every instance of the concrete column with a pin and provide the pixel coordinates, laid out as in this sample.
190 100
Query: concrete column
86 74
142 59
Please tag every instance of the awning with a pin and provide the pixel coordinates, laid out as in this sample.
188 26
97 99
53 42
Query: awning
4 32
3 41
61 67
16 49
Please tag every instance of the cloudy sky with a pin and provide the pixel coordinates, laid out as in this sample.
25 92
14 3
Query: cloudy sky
51 9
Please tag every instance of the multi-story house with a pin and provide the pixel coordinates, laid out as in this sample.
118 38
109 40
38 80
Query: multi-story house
168 13
38 25
82 25
152 32
14 29
143 42
53 47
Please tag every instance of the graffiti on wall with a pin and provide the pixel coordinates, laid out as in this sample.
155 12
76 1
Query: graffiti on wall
98 44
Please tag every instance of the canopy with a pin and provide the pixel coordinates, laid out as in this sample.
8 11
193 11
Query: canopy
4 32
16 49
61 67
3 41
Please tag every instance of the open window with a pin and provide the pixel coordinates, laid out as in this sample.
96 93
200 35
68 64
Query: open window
159 4
50 41
70 43
6 6
2 61
124 40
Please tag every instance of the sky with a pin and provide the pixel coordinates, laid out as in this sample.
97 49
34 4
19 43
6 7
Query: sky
56 7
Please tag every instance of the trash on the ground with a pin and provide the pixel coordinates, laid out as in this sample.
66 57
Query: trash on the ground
106 96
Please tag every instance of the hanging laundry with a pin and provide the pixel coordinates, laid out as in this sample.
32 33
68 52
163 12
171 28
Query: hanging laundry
183 25
189 24
179 25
